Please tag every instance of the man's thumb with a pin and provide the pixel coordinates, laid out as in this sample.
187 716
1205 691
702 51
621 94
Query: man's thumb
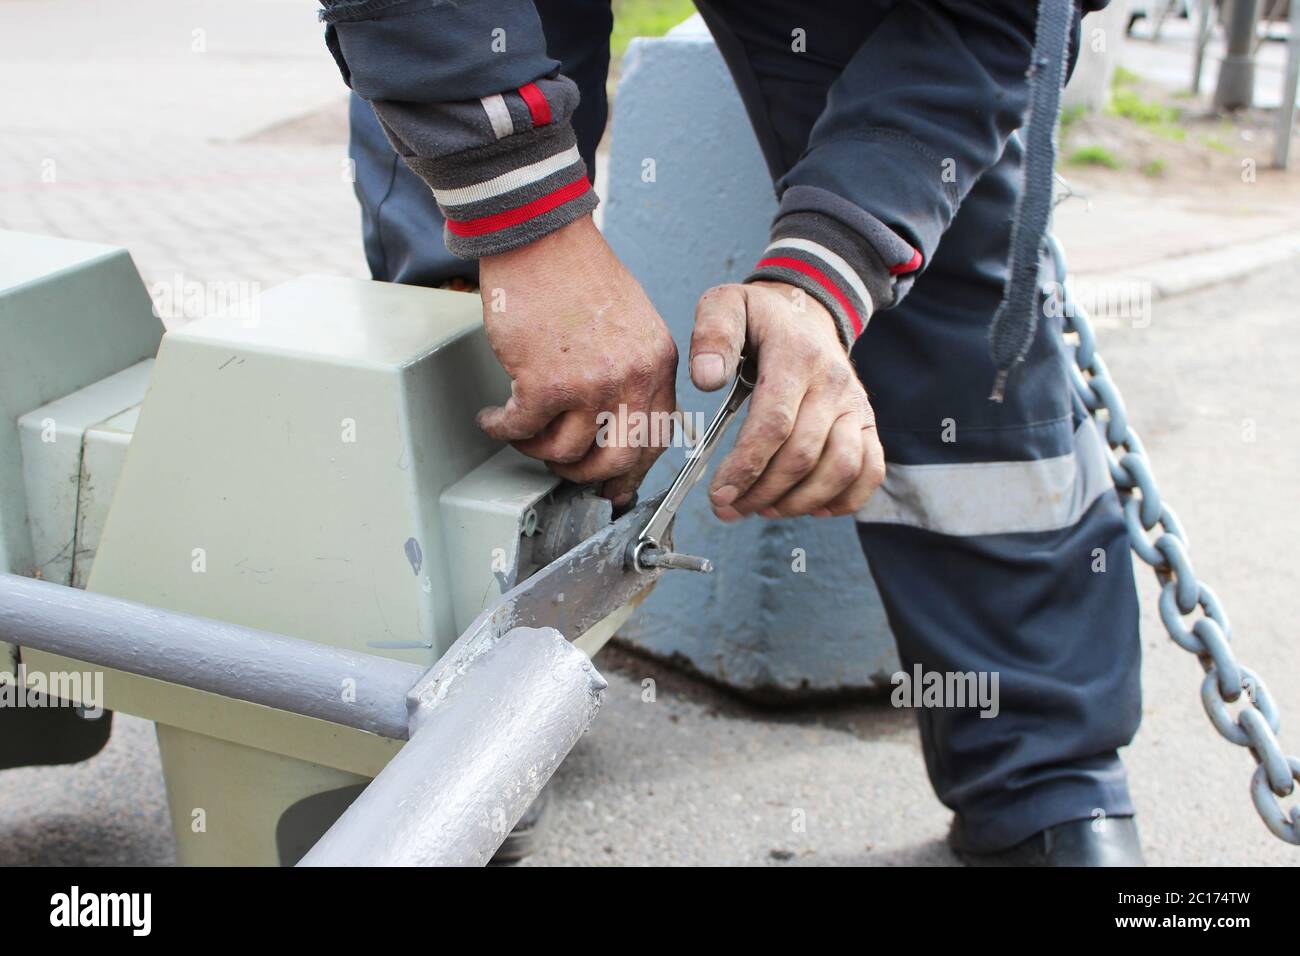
718 337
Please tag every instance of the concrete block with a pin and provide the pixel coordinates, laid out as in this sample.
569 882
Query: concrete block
791 610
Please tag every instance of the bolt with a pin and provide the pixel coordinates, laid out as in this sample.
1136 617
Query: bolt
658 558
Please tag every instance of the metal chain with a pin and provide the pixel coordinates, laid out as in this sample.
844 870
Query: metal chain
1255 723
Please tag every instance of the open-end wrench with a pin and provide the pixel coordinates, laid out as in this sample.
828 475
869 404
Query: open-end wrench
647 550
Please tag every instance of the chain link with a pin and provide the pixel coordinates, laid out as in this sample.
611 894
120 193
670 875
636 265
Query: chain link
1159 540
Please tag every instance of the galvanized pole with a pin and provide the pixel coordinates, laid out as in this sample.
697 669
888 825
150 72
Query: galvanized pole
1236 86
1204 26
357 690
503 718
1286 114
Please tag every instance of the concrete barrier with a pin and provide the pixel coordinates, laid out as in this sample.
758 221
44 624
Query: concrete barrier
791 610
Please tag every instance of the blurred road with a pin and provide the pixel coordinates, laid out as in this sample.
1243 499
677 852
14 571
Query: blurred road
208 136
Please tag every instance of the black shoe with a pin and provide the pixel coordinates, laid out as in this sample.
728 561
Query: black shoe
528 832
1112 841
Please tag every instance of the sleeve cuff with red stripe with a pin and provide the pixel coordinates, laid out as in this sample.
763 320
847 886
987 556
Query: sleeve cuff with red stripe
509 194
505 169
839 254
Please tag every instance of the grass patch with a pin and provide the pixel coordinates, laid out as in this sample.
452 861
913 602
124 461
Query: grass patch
1218 145
1154 168
1123 78
1162 120
1171 131
1093 156
1127 103
645 18
1130 106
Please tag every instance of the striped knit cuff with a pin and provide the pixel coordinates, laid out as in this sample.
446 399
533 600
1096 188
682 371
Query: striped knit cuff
526 184
502 197
852 268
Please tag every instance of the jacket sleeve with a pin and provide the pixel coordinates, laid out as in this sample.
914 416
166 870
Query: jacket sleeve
470 100
923 108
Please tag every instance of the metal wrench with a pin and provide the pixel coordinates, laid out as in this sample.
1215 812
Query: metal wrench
647 550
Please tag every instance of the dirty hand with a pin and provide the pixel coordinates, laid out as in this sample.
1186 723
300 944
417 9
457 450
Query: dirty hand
809 444
584 349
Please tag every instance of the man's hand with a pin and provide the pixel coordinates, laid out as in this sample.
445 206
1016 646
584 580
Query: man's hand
580 339
809 444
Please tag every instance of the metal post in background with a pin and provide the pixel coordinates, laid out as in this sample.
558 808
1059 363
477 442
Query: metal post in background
1204 29
1286 113
1236 84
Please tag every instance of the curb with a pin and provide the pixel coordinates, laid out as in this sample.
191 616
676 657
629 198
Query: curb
1178 275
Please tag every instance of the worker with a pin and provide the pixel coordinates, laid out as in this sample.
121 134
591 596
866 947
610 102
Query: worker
890 128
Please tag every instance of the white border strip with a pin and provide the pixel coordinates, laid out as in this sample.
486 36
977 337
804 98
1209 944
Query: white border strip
995 497
498 115
837 264
516 178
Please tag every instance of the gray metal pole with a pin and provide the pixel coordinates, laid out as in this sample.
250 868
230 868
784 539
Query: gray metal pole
357 690
503 720
1236 86
1286 115
1204 26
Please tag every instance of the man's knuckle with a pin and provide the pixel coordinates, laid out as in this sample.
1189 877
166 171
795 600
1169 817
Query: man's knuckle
777 425
598 389
666 352
845 467
839 377
568 452
745 470
801 459
638 376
